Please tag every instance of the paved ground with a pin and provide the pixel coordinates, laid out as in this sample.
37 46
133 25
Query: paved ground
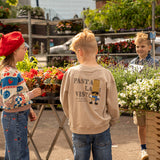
124 138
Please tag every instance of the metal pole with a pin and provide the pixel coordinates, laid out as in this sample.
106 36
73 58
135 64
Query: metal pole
83 17
30 32
37 2
153 29
48 39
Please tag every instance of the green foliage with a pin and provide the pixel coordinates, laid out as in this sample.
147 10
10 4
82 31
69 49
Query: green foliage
96 20
12 2
11 9
1 58
120 14
35 11
27 64
124 77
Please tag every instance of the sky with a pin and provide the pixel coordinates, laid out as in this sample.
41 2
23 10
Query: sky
64 9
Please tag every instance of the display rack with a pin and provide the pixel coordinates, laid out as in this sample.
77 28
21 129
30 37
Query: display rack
47 37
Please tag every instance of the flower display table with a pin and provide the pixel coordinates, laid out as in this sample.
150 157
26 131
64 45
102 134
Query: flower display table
41 102
153 135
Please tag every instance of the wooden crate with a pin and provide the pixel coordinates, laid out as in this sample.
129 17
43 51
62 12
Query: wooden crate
153 135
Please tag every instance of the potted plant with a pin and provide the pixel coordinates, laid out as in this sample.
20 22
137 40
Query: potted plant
22 11
4 12
36 48
36 12
141 95
68 28
60 28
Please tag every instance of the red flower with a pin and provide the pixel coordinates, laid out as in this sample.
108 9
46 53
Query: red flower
47 75
60 76
34 71
44 94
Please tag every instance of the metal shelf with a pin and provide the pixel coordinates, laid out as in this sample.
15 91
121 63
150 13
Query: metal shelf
47 37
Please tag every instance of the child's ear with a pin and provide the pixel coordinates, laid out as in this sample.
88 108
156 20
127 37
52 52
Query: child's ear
97 52
80 52
150 47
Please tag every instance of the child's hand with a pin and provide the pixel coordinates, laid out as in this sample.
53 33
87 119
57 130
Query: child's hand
37 92
32 115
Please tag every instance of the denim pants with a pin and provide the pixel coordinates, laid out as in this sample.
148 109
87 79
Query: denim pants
100 144
15 132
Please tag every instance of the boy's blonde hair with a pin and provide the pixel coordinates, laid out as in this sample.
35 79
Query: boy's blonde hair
86 41
142 37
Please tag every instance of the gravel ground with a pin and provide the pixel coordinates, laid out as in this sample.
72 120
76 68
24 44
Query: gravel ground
124 138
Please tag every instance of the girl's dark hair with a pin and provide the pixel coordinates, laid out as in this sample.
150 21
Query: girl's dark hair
8 60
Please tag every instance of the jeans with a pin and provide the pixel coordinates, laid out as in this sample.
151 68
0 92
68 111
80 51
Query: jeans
99 143
15 132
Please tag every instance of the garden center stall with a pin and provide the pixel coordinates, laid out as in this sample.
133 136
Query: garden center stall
50 78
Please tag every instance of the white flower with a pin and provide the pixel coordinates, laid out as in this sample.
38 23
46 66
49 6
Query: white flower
122 95
158 95
137 101
145 99
122 103
125 83
153 107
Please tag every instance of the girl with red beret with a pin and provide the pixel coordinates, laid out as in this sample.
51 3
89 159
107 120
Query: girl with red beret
15 98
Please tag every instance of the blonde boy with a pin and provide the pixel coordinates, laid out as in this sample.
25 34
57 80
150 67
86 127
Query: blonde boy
89 99
143 48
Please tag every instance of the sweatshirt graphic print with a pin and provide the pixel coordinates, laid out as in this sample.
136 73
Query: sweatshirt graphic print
91 90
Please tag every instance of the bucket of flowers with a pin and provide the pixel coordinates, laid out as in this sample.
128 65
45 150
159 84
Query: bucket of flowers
60 28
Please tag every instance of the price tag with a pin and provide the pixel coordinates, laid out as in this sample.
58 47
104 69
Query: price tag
152 35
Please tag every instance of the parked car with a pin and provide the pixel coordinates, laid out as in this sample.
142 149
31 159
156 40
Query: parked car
64 48
61 49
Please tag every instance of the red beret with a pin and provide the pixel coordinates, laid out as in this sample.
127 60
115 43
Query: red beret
10 42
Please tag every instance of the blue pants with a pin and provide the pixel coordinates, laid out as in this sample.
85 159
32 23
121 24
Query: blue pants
100 144
15 132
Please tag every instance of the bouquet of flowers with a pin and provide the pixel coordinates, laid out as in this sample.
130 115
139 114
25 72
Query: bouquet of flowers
48 79
141 95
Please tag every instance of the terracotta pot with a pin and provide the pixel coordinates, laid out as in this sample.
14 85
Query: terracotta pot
35 51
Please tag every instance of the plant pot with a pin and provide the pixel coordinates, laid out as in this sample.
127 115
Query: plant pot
68 31
60 32
35 51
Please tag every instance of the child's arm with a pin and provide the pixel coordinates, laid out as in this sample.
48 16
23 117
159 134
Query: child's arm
112 101
64 93
32 115
12 91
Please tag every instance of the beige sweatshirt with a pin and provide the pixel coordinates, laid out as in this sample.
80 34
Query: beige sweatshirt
89 99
